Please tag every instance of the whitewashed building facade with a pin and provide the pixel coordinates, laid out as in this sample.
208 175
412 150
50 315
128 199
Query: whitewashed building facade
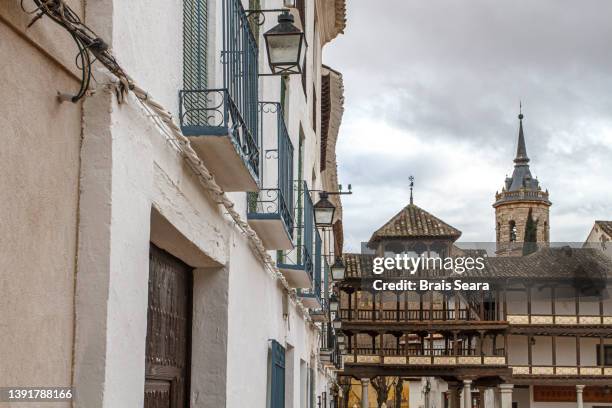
144 270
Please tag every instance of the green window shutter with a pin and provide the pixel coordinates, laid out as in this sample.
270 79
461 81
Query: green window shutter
195 44
277 383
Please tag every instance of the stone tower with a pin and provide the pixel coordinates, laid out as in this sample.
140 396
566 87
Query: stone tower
520 196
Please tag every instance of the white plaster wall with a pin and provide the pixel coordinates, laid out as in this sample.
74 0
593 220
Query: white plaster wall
517 350
566 351
516 302
541 350
39 163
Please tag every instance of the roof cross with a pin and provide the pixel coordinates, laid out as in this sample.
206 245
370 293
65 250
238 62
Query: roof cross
411 178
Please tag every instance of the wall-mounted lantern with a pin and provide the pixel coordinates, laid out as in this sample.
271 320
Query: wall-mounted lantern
333 303
324 211
285 46
337 323
338 269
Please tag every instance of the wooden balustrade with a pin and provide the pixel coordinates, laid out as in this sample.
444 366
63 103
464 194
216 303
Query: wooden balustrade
558 370
390 315
425 360
401 351
555 319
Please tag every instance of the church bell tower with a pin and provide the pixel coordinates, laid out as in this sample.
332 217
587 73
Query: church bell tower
521 208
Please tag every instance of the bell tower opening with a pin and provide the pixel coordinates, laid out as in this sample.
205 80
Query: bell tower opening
512 227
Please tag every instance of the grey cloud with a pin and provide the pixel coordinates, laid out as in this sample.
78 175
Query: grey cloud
453 72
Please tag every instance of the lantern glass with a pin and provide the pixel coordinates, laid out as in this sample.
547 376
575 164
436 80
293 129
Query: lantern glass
324 212
333 303
336 323
338 269
284 49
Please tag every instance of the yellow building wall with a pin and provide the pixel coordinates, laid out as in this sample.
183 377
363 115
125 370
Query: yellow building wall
355 396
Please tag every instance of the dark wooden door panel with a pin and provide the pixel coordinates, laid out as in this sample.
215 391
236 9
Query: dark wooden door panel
168 331
157 394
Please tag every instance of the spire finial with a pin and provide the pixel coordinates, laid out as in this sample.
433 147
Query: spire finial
411 178
521 150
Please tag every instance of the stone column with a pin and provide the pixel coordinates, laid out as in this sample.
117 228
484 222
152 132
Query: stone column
579 390
481 397
467 393
505 397
365 383
496 398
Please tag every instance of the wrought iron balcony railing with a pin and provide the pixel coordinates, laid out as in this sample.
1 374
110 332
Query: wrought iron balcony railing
314 292
301 258
213 112
229 110
330 350
275 199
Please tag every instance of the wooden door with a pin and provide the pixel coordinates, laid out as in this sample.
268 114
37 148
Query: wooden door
168 332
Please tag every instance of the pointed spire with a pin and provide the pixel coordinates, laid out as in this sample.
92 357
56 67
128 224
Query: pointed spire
521 150
411 178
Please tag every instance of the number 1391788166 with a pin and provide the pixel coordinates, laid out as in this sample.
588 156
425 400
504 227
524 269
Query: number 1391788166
36 394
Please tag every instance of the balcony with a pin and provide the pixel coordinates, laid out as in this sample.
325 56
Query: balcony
297 264
329 351
425 360
270 211
311 297
222 123
419 362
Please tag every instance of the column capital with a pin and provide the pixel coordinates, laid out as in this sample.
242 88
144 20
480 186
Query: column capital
467 382
579 388
365 380
504 388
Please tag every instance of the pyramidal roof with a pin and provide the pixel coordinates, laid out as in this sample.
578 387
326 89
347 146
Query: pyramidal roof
414 222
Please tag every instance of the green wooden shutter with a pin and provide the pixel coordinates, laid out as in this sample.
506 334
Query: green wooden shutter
195 44
195 57
277 383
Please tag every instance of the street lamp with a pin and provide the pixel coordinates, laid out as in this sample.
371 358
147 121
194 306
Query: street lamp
338 269
340 338
333 303
284 43
324 211
337 323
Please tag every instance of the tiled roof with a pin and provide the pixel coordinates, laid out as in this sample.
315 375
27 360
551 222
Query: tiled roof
414 222
605 226
548 263
559 263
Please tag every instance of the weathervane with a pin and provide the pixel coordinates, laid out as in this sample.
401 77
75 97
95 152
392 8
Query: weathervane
411 178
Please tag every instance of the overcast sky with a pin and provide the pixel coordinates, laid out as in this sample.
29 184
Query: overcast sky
432 89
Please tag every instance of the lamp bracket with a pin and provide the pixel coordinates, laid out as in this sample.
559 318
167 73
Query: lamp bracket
259 16
332 192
